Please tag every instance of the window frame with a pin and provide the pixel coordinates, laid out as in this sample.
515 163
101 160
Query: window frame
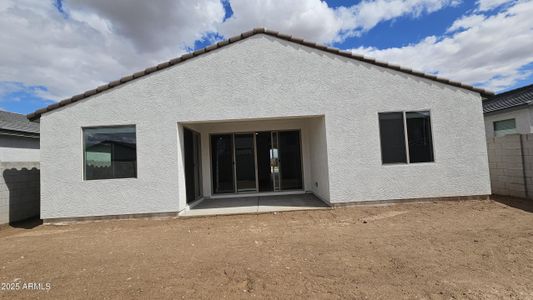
504 134
84 157
406 137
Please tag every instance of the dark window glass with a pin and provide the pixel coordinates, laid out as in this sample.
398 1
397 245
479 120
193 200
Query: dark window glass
192 155
419 136
264 171
290 160
245 162
222 163
504 127
392 136
110 152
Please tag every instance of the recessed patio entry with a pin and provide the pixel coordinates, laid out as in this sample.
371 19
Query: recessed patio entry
264 161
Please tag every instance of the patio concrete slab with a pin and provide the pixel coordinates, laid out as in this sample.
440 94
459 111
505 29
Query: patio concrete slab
290 202
255 204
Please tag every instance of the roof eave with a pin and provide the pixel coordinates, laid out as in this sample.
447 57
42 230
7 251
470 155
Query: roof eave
37 114
506 109
19 133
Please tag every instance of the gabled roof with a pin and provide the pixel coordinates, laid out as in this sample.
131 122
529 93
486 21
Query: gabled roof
511 99
17 124
35 115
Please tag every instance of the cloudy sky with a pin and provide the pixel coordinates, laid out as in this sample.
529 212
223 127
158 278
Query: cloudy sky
50 50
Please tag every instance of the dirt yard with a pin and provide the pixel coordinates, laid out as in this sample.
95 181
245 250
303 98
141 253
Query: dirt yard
446 250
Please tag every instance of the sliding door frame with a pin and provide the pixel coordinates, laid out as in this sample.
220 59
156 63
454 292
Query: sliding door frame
196 140
210 160
300 142
234 164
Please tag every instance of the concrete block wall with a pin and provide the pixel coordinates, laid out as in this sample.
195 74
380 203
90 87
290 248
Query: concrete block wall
527 150
511 165
19 191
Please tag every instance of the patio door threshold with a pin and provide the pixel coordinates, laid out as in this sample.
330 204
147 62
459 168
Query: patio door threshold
237 195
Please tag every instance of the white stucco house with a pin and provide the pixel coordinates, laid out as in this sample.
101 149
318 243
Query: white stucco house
261 113
509 113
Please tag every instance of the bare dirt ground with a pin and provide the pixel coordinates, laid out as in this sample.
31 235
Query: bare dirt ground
445 250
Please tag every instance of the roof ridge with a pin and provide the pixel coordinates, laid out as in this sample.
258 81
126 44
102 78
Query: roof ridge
517 90
36 114
10 112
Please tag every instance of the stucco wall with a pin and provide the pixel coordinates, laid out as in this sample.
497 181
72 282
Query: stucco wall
319 158
18 148
264 77
523 117
19 191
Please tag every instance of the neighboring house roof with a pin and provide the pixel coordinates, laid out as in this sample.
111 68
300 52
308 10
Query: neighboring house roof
17 124
35 115
512 99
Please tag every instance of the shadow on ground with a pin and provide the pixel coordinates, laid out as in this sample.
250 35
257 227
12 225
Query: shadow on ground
520 203
27 224
296 200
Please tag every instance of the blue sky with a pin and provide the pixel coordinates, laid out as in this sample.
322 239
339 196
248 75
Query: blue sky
405 30
478 42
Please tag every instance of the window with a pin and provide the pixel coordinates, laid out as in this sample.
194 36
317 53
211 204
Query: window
392 138
504 127
406 137
110 152
419 136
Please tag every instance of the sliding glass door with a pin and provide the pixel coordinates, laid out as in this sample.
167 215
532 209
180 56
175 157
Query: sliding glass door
264 173
245 162
290 160
266 161
193 176
222 163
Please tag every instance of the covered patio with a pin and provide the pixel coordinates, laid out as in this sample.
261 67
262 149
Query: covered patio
254 165
254 204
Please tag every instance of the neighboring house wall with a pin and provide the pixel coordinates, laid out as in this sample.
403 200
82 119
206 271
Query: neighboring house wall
18 148
523 117
264 77
511 165
19 191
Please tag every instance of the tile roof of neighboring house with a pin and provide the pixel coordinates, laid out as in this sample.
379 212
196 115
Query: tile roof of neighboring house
17 124
511 99
35 115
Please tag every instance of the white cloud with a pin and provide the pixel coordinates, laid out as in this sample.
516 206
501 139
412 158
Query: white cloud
310 19
151 26
8 88
98 42
316 21
484 5
466 22
491 53
367 14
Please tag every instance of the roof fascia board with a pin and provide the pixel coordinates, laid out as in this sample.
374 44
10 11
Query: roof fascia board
37 114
